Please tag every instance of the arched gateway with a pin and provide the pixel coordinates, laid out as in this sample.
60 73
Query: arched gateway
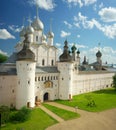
46 97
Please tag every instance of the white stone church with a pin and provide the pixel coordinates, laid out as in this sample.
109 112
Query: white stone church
33 74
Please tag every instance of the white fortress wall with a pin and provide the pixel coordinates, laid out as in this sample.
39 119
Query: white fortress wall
87 82
8 85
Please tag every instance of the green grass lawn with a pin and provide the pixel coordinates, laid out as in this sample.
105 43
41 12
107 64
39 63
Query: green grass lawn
39 120
103 99
66 115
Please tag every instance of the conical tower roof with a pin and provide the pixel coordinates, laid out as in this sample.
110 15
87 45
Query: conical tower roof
26 53
65 57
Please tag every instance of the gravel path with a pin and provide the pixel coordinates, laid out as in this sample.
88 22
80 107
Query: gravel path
105 120
51 114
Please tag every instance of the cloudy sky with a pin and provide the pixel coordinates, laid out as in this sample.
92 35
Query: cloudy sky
85 23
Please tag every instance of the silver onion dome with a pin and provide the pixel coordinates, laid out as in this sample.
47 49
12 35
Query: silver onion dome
29 30
37 24
50 34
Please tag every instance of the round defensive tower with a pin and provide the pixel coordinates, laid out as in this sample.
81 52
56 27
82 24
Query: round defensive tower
25 65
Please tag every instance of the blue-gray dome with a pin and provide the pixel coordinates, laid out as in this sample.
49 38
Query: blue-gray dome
98 54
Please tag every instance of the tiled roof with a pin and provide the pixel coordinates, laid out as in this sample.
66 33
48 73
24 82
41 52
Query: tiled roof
7 69
48 69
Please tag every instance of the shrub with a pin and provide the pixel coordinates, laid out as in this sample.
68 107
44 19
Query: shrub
5 112
20 116
114 81
91 102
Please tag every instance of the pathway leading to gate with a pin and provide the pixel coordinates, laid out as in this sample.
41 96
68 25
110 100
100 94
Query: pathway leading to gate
51 114
105 120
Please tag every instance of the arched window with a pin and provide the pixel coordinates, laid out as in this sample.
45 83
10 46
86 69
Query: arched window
28 81
43 62
36 38
52 62
38 78
35 78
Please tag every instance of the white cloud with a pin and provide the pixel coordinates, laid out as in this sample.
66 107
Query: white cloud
15 28
78 45
4 53
77 25
108 14
108 30
74 2
44 4
58 44
101 5
68 24
87 24
81 3
65 34
4 34
108 50
97 7
78 36
94 50
89 2
81 46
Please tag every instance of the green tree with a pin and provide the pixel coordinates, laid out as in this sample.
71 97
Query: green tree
5 112
114 81
3 58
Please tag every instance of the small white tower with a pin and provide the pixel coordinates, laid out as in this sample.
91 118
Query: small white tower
78 57
73 48
98 55
38 29
22 33
30 31
25 65
44 39
50 36
65 66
